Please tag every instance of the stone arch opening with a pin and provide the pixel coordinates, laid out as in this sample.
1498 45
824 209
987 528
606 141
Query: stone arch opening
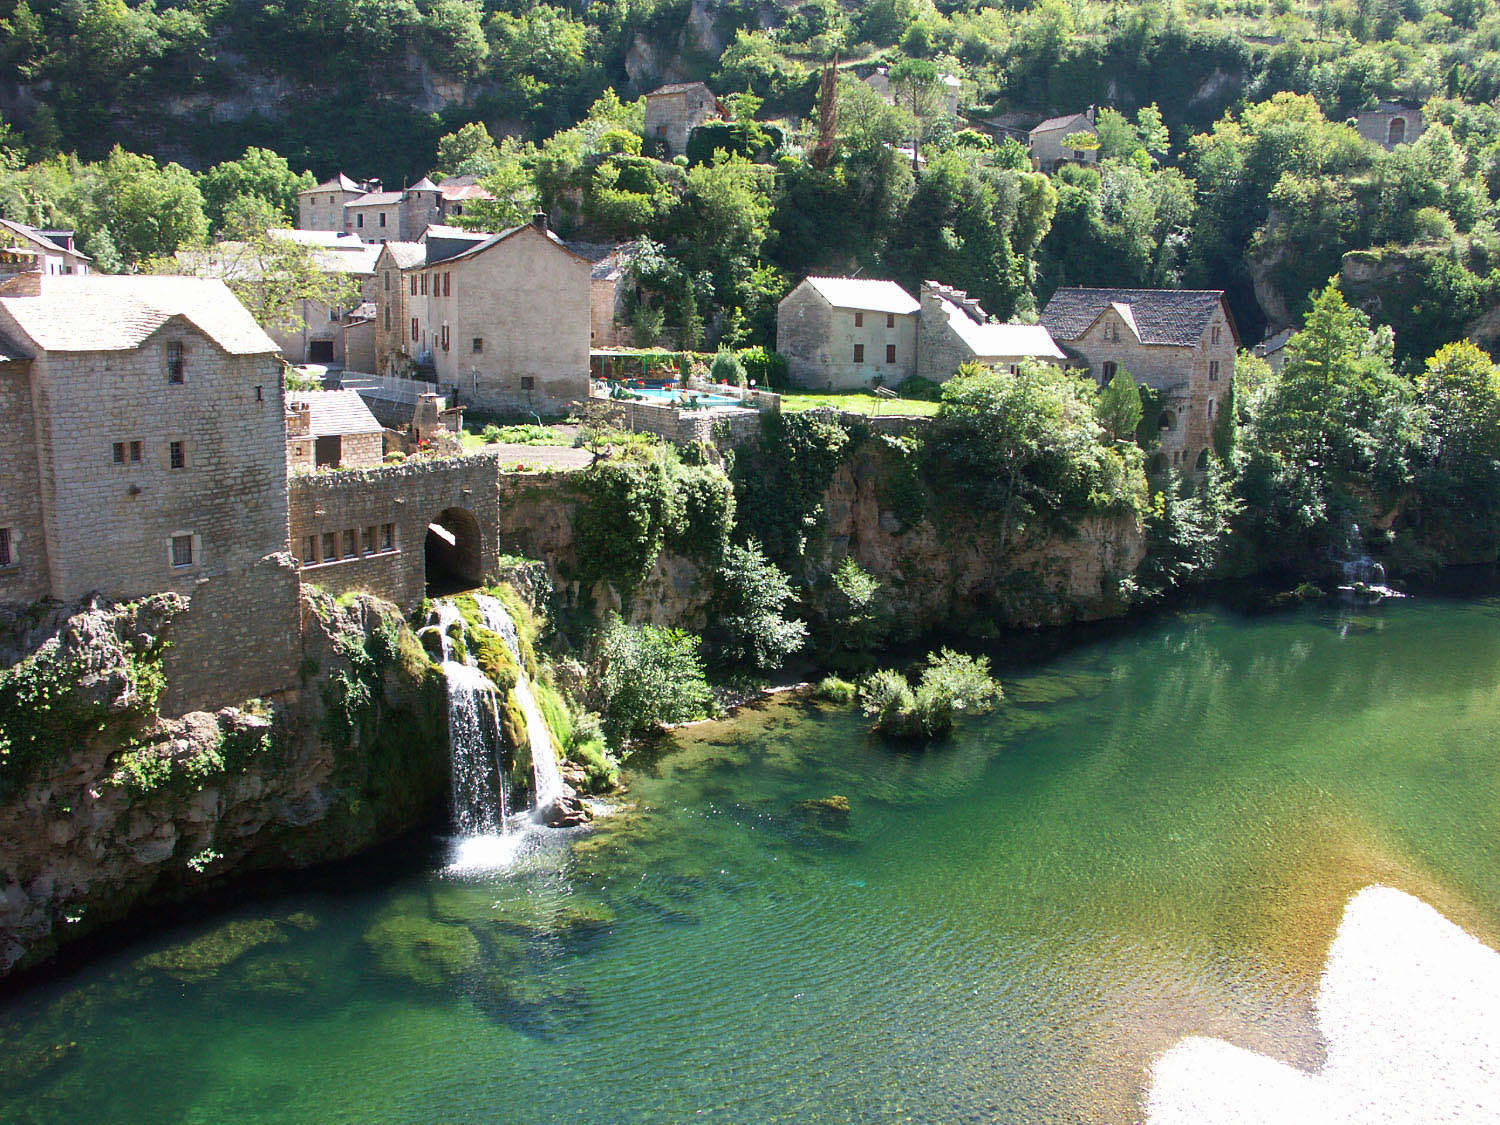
1398 131
1168 420
454 552
1158 465
1202 462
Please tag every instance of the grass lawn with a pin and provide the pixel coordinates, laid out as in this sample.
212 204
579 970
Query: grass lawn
476 439
855 402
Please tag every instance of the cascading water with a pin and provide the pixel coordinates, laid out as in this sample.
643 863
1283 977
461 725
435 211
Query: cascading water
1362 574
479 790
548 777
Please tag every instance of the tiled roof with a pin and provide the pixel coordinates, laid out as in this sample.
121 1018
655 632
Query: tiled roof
38 237
676 88
496 239
424 184
1067 120
329 238
406 254
609 258
864 295
102 313
376 199
464 191
340 182
1176 317
466 179
335 412
10 351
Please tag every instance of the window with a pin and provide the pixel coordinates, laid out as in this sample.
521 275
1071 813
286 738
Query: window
333 315
351 543
359 220
447 286
859 353
182 550
330 545
387 281
259 397
890 320
413 285
7 548
369 546
859 320
478 344
387 320
413 328
1210 410
445 337
310 549
177 455
382 218
424 285
176 361
528 382
119 453
387 537
1217 334
890 353
1110 367
1213 371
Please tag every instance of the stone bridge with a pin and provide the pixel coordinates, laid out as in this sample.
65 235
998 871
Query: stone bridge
398 531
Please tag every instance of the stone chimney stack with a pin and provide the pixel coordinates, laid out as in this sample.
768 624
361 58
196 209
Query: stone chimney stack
539 220
298 419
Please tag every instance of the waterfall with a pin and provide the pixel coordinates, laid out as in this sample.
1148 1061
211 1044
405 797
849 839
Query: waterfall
479 794
549 784
1362 574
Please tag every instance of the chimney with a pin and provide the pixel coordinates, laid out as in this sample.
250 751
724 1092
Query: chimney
1089 114
539 220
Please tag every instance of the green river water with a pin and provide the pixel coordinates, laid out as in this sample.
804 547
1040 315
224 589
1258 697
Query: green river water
1155 837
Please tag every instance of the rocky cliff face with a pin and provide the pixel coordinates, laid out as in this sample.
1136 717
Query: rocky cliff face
945 570
152 809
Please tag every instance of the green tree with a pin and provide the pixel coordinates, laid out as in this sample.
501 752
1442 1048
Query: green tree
1119 406
259 173
646 677
750 623
149 211
1458 474
470 151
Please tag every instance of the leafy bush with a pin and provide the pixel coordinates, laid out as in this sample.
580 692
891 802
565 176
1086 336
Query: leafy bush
628 505
779 481
727 369
834 690
951 684
918 387
647 677
705 511
765 368
750 623
857 618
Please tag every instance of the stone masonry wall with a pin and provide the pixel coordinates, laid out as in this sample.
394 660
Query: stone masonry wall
27 578
409 495
819 343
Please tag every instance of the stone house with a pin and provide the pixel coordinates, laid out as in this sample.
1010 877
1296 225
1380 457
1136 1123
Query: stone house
321 337
1046 140
1179 341
609 289
879 80
366 211
847 333
505 320
392 309
331 429
1273 349
675 110
24 249
1390 124
953 330
322 207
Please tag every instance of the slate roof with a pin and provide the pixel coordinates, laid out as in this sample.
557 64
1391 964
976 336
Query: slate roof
39 238
10 351
496 239
376 199
336 412
1176 317
463 191
340 182
1066 120
330 238
104 313
865 295
609 258
424 184
406 254
677 88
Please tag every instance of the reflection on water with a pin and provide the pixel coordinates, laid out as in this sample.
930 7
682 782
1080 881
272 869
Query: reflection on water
1155 838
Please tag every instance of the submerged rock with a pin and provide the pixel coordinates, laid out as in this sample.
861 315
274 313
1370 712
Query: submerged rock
416 950
825 812
205 957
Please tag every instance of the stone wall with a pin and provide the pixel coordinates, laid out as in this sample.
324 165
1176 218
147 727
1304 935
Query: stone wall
725 427
28 576
819 341
671 117
409 496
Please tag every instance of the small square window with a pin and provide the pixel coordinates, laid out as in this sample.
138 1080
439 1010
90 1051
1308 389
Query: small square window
478 344
135 453
176 355
351 544
388 537
177 453
7 548
369 544
119 453
859 353
182 550
859 320
528 382
330 545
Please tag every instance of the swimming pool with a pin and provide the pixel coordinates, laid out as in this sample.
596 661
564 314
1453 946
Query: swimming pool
673 395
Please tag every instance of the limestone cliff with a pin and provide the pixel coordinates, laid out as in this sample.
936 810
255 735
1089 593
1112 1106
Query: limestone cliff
138 809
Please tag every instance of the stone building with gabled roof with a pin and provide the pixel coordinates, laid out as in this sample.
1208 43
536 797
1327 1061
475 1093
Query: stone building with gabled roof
25 248
955 330
148 454
368 212
1180 342
331 429
1046 140
676 109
